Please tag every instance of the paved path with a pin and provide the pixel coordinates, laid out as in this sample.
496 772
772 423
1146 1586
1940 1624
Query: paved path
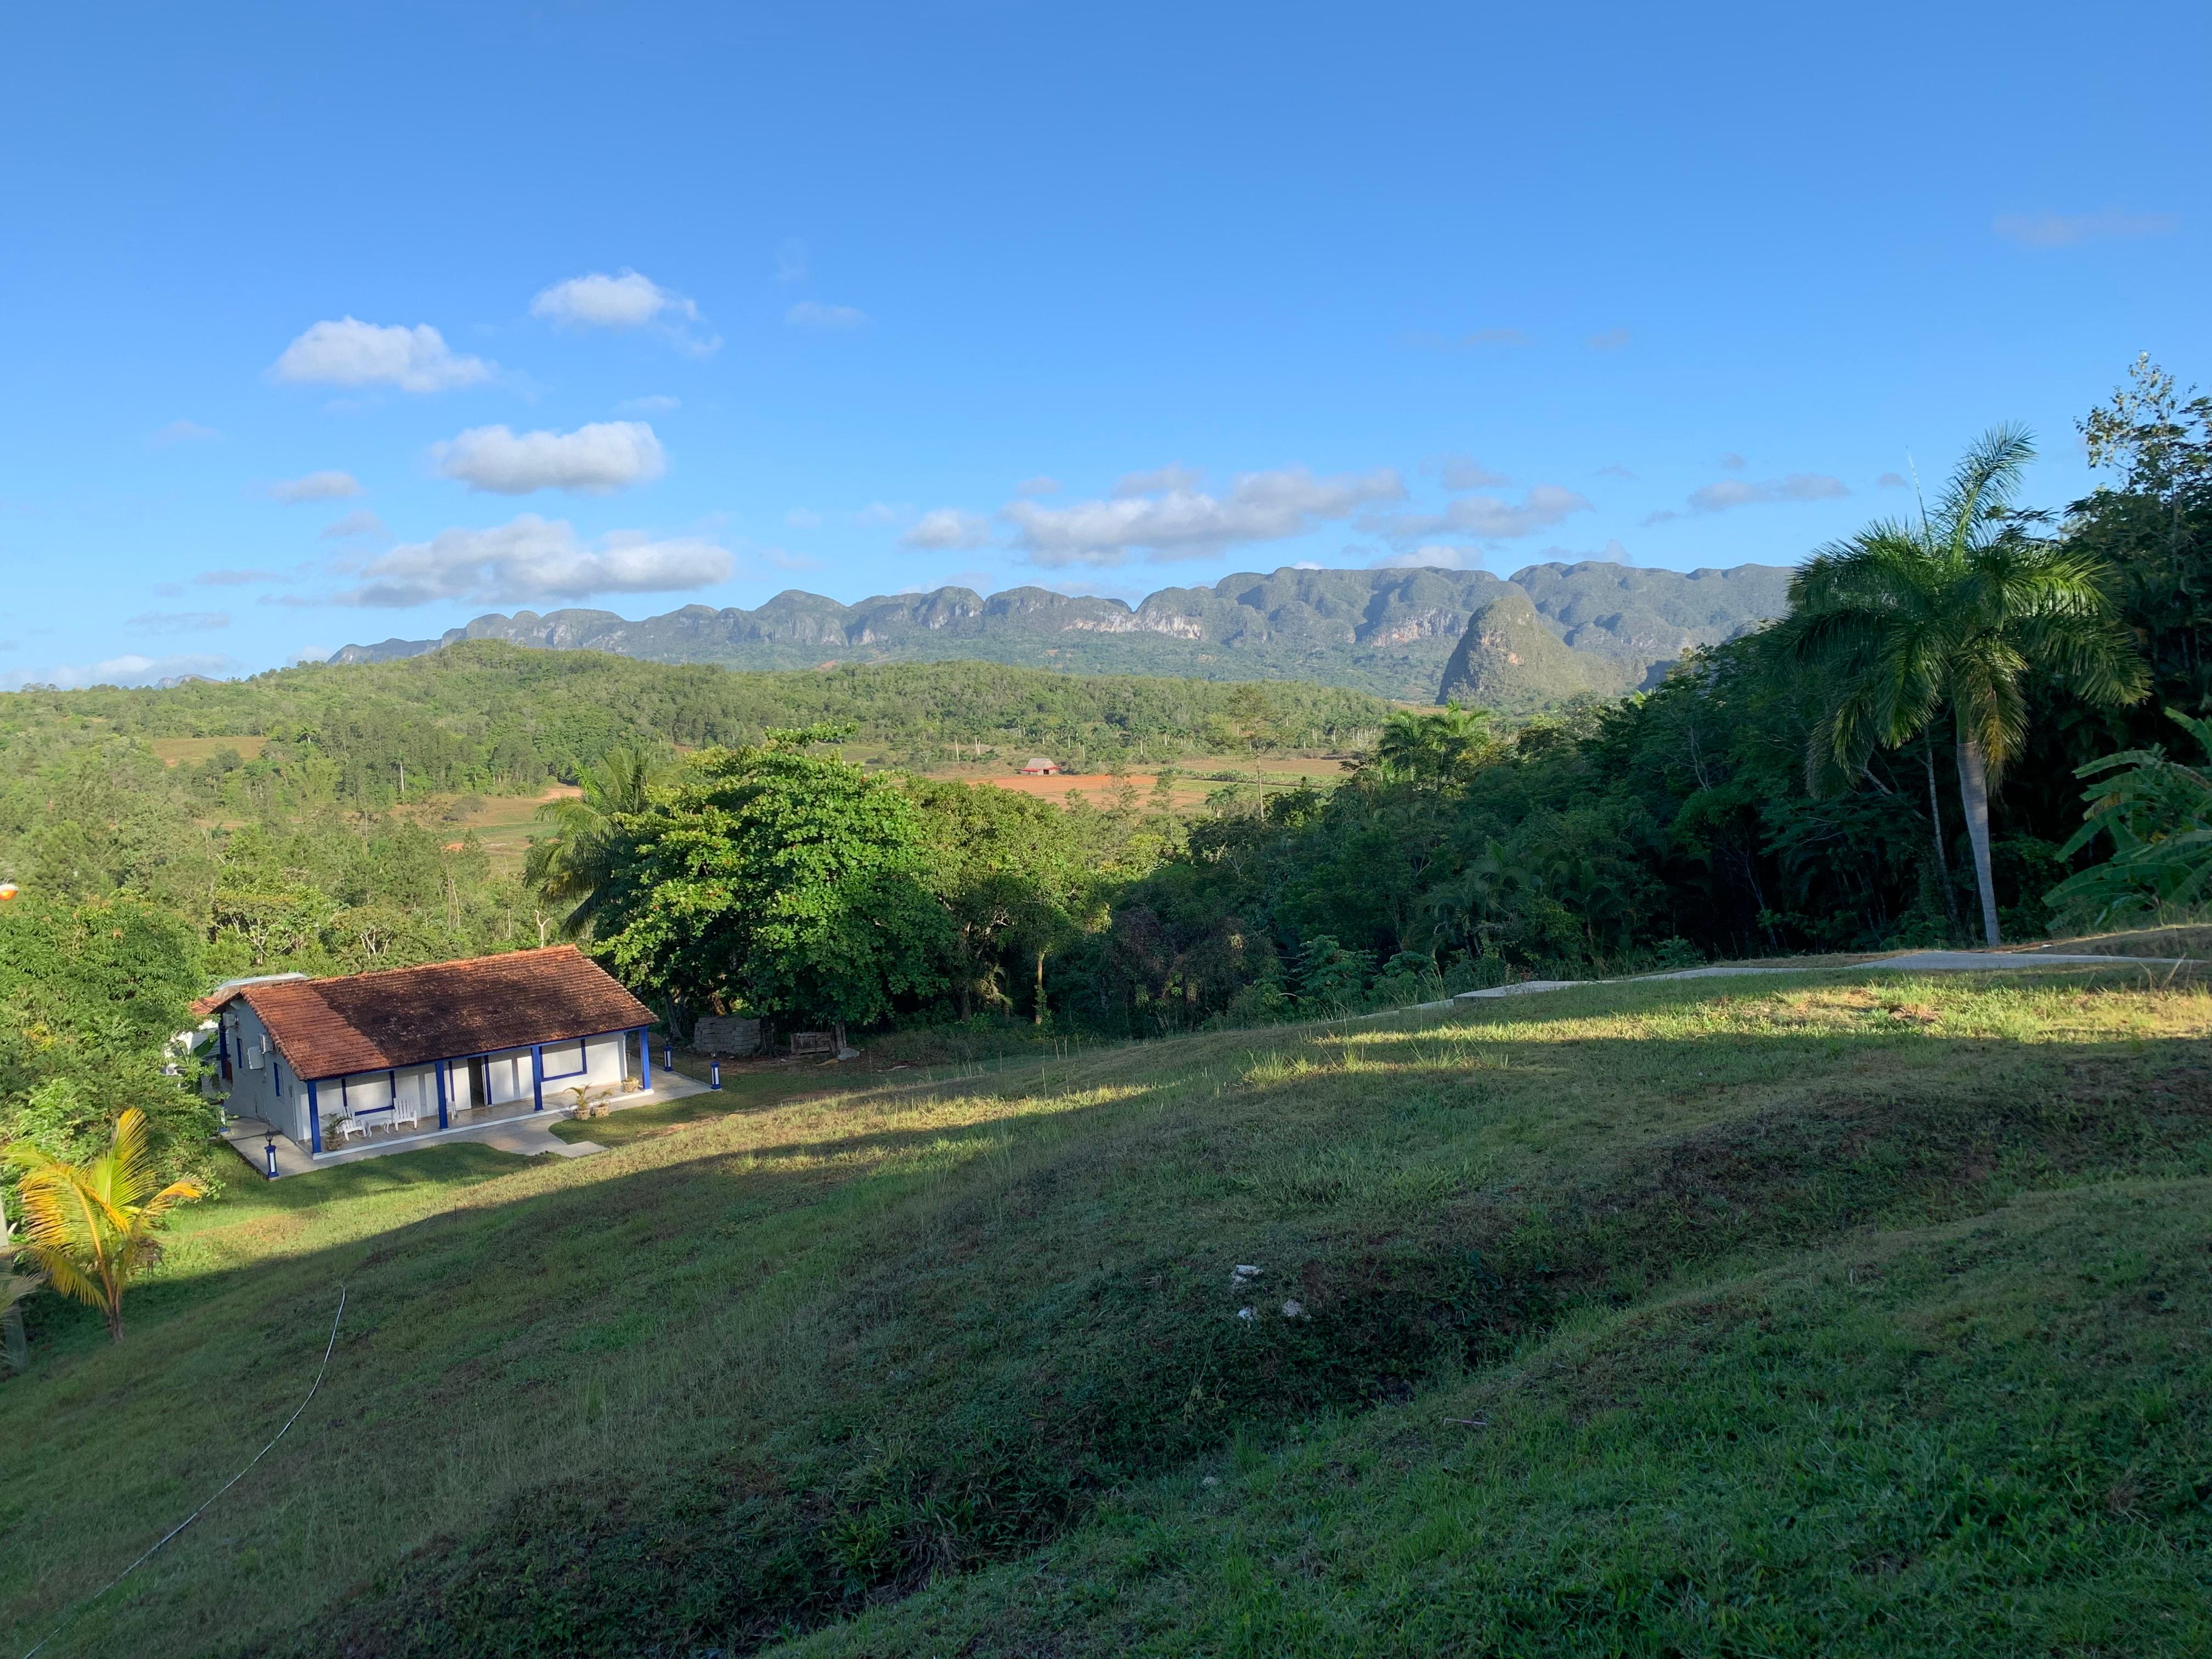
1910 962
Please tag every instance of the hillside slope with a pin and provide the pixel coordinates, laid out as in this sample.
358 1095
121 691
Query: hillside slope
1509 660
1814 1317
1386 632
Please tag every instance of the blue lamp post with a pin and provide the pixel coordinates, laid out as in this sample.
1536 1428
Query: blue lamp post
272 1157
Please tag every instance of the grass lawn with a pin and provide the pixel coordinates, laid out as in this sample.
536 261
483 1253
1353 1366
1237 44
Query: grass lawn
1788 1315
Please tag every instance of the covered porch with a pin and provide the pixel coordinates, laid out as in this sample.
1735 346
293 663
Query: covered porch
518 1126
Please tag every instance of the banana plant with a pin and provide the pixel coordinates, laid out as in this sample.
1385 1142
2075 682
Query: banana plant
2159 815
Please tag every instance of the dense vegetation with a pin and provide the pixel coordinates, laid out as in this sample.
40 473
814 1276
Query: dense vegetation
487 716
1684 824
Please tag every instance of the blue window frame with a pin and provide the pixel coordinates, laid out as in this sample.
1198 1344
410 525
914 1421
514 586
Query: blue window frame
560 1055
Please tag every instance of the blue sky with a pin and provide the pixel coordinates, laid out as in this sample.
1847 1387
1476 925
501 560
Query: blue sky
323 324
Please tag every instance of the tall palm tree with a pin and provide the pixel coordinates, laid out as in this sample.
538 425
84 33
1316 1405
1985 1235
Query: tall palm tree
1908 622
572 866
90 1226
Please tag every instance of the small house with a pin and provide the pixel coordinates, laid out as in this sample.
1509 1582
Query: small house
411 1048
1041 766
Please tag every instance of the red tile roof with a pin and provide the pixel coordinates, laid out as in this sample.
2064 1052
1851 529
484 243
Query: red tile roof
328 1028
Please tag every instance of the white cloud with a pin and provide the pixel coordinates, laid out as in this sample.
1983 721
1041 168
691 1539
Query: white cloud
1465 472
948 527
813 313
1187 524
1733 462
598 459
1431 555
626 300
183 432
803 518
1173 476
235 578
350 352
1728 492
1615 469
179 621
130 668
2050 230
1492 518
658 403
1740 492
1043 484
876 514
791 260
361 523
1612 339
1890 481
316 487
533 558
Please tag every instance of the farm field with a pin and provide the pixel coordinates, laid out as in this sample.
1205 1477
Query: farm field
1822 1314
1191 783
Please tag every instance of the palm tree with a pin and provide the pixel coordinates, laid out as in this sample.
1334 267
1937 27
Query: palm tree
1908 622
571 865
90 1226
1442 747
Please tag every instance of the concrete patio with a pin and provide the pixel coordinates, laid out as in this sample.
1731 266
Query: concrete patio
510 1126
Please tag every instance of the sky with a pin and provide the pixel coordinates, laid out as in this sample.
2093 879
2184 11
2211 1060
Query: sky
336 323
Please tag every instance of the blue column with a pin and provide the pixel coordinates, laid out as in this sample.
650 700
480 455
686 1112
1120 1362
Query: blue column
537 1077
444 1122
315 1121
645 1056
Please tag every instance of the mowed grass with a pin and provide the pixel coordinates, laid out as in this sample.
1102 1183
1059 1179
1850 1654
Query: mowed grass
1786 1316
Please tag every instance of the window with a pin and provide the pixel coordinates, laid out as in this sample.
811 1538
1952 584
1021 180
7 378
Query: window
564 1060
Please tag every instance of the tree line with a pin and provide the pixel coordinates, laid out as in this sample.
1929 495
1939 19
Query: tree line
1893 762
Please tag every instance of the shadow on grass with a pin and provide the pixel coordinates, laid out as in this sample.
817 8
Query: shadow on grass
970 1328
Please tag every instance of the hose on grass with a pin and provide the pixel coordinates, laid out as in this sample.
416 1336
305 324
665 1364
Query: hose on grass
69 1613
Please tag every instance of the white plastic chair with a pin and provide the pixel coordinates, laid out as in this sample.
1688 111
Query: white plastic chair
406 1114
346 1127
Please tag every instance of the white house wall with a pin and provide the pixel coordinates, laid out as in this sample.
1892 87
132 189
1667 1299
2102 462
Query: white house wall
271 1090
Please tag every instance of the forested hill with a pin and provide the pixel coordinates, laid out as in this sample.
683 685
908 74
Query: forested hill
487 715
1387 632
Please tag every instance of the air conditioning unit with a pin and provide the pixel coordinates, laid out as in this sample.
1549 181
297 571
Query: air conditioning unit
254 1058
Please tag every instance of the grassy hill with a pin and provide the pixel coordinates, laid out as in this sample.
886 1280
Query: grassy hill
1789 1315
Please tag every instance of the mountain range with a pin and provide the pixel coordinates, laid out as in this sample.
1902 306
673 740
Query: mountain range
1548 632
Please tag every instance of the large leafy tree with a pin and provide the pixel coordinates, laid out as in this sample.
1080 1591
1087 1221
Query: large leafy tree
91 1226
90 996
776 881
1012 875
1909 621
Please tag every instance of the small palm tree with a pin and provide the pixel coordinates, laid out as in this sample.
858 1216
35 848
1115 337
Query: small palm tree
572 866
1909 622
90 1226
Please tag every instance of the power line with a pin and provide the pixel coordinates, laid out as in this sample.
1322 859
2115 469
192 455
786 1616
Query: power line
329 1349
